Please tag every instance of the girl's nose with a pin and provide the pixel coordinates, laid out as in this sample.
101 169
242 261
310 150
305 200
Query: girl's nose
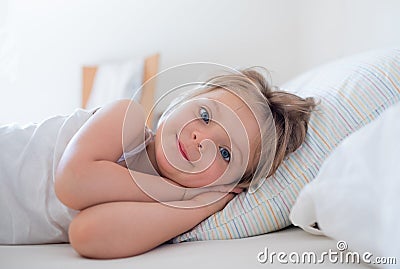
197 139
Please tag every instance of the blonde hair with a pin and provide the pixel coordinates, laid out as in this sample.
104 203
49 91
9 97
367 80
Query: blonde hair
282 117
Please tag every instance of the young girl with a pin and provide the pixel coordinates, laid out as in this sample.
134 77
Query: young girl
122 190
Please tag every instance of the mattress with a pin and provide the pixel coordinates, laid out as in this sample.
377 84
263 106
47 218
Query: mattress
239 253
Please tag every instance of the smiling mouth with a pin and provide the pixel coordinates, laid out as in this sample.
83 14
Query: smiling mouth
182 150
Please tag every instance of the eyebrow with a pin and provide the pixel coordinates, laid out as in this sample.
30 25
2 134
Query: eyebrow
216 108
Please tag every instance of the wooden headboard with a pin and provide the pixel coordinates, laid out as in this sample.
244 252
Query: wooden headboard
151 64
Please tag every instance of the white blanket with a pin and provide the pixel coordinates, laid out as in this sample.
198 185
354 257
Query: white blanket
356 196
30 212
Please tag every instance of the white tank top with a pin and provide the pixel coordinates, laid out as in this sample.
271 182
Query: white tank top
30 212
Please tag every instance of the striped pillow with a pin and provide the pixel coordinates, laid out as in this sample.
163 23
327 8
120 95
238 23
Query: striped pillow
352 92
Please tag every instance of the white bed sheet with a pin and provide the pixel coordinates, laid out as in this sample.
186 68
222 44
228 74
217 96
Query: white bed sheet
239 253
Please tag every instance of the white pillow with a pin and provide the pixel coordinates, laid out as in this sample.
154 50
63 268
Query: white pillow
355 197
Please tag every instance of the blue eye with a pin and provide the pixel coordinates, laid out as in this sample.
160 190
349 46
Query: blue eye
204 115
225 154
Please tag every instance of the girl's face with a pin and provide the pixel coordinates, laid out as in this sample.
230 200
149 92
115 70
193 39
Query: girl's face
208 140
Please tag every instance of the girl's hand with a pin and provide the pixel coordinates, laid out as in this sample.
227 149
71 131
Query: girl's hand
215 201
193 192
230 188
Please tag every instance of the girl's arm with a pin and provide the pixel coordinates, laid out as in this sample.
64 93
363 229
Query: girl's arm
122 229
88 174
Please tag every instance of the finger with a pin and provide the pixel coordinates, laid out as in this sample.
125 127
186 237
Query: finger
222 198
226 188
228 197
237 190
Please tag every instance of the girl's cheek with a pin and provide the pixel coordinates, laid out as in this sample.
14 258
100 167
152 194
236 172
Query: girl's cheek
217 172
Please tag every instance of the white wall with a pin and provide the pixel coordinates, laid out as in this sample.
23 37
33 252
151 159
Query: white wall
44 43
337 28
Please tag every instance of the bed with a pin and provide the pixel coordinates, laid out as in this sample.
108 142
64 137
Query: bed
284 246
238 253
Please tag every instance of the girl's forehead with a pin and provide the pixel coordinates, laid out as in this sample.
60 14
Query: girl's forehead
215 93
235 115
224 97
